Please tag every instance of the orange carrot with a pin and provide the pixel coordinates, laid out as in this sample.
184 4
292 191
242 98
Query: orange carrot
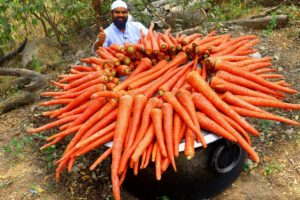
229 49
144 65
153 39
101 158
231 42
87 78
131 79
148 155
185 98
201 86
55 102
153 153
234 100
263 115
91 122
180 58
166 38
167 110
100 141
147 44
64 133
158 82
88 85
237 127
79 100
180 82
105 121
139 103
158 159
256 66
70 78
202 104
93 107
170 98
172 81
189 150
269 103
53 124
145 123
264 70
78 110
108 94
270 76
190 38
97 135
83 68
145 142
251 76
223 86
165 164
157 119
245 46
239 139
176 132
246 83
124 112
117 47
56 140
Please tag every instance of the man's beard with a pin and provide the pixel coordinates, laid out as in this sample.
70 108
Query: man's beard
120 24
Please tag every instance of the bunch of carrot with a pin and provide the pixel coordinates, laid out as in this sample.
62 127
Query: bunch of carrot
173 87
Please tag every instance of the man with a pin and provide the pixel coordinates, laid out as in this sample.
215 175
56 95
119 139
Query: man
121 30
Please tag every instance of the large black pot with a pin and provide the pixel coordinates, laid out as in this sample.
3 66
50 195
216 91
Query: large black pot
209 173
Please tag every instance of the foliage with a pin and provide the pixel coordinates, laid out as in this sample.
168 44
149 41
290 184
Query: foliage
274 166
291 10
271 26
36 64
55 18
266 125
138 12
162 198
16 147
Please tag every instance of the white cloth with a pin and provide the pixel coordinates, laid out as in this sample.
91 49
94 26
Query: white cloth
118 4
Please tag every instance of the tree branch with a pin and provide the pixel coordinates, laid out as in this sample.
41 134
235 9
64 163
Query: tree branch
268 11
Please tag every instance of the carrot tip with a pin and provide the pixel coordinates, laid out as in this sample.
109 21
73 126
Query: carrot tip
189 157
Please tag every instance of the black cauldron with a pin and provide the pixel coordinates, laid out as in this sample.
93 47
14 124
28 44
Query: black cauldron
209 173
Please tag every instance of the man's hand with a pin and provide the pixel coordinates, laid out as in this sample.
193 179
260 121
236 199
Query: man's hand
101 39
101 36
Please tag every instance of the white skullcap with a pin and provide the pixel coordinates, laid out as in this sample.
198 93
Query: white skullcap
117 4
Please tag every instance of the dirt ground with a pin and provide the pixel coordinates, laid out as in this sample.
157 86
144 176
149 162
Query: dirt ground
27 173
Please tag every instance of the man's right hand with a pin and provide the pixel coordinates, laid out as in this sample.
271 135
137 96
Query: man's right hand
101 36
100 39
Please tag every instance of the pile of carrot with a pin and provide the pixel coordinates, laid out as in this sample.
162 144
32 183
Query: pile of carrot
149 97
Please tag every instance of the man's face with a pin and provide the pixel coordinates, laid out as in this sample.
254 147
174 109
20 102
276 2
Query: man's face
119 17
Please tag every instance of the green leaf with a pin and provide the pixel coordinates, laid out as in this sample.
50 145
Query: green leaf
34 21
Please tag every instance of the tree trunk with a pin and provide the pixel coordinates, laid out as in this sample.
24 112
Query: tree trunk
97 4
261 23
43 24
1 52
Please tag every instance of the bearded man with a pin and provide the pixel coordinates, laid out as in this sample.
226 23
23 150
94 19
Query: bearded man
121 29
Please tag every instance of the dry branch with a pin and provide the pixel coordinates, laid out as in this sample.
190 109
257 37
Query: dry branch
13 53
32 81
261 23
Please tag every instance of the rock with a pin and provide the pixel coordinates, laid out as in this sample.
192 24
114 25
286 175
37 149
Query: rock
44 50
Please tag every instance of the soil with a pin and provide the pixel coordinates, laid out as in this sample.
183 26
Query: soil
27 173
